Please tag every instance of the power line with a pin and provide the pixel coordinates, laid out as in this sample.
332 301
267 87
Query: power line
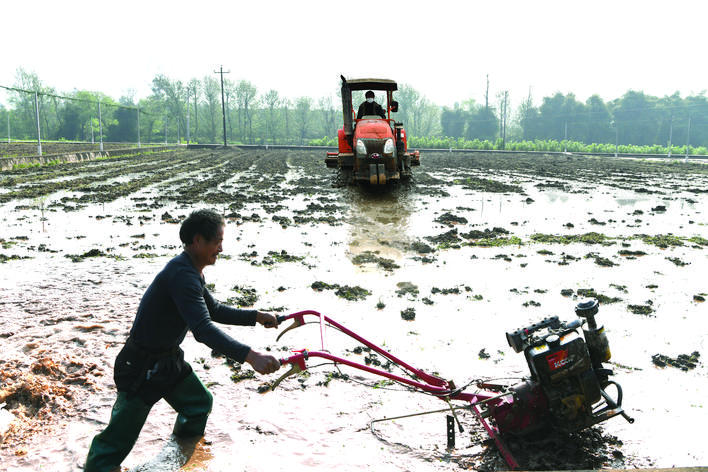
75 99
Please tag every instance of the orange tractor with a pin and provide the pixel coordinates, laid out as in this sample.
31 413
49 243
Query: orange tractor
372 149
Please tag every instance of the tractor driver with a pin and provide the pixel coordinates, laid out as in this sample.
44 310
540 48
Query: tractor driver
370 107
151 365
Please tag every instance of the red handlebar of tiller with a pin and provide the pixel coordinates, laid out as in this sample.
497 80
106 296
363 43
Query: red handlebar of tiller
299 361
434 385
299 317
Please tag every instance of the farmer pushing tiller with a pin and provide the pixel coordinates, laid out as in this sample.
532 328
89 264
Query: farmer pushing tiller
566 388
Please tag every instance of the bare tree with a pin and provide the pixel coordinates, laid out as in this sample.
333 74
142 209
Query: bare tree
302 110
328 116
246 96
174 95
286 114
194 91
212 96
503 99
229 99
271 100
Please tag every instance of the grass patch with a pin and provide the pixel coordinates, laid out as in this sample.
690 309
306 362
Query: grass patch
662 240
496 242
587 238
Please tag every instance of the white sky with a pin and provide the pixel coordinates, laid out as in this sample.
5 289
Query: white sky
442 48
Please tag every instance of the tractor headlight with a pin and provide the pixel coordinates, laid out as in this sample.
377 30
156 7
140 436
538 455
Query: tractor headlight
388 147
360 147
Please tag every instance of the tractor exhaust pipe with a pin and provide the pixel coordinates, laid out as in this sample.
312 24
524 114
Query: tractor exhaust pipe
347 110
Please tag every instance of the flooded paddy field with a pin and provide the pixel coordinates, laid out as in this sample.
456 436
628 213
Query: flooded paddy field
436 271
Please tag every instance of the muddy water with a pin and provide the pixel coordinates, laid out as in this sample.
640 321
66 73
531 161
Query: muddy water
63 321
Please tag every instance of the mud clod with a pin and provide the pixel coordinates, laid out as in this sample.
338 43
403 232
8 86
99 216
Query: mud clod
247 296
685 362
408 314
603 299
347 292
407 288
367 257
421 248
86 255
645 310
450 220
677 261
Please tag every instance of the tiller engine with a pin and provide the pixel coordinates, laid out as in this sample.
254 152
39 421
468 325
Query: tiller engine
566 388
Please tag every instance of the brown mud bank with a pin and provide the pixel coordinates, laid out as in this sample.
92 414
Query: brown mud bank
26 148
474 246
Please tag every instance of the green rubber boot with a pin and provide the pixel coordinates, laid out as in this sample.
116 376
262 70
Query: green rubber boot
192 401
112 445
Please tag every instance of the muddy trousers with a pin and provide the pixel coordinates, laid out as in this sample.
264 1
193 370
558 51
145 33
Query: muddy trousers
190 399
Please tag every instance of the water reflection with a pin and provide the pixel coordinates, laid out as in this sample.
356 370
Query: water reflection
379 219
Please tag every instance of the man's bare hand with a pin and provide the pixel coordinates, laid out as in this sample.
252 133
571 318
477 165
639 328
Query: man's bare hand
261 363
266 319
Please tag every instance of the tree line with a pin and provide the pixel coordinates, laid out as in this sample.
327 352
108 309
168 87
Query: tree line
177 111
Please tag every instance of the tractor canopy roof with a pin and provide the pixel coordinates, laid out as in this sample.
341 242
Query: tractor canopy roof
374 84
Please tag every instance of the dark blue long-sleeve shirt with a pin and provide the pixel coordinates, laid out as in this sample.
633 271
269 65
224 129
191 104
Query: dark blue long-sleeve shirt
177 301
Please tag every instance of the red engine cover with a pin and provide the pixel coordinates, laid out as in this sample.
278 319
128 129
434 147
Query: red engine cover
372 129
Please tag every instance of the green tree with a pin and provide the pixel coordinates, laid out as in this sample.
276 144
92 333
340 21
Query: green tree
194 88
271 100
328 117
246 96
124 129
599 121
303 112
212 97
173 94
528 119
636 118
452 121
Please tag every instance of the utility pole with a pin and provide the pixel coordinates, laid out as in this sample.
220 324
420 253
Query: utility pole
196 114
36 112
688 138
565 137
671 132
187 120
504 111
486 95
100 125
8 126
223 106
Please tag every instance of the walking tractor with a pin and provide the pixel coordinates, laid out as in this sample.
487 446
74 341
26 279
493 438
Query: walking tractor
566 389
372 149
